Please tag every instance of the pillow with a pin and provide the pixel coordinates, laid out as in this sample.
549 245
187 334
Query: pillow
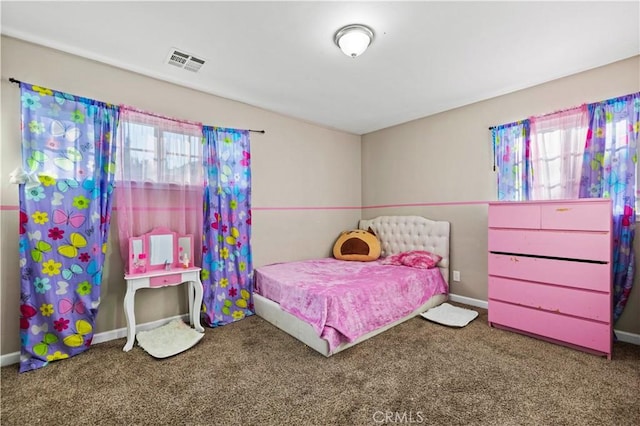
358 245
393 259
416 259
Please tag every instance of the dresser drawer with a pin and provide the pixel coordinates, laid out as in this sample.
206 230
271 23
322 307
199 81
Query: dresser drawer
584 216
584 275
572 245
569 301
507 215
576 331
165 280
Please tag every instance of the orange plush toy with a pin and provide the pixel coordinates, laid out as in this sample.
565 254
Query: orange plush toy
358 245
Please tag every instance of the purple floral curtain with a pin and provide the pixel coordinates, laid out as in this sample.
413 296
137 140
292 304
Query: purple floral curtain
609 171
227 268
511 150
65 204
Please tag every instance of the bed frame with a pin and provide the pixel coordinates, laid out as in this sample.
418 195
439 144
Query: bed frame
396 234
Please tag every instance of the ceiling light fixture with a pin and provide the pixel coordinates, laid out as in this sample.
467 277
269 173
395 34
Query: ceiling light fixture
354 39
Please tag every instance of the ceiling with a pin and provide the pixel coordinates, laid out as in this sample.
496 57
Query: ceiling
426 57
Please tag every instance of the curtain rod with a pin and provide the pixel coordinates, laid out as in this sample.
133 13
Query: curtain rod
13 80
552 113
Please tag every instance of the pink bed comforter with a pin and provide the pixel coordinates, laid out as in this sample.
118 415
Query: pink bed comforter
344 300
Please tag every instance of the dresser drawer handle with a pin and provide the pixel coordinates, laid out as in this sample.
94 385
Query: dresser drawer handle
563 209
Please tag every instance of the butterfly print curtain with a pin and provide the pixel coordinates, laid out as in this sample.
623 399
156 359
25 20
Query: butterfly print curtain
609 171
64 221
227 269
511 149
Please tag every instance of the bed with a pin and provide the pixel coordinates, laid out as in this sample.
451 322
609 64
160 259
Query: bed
281 293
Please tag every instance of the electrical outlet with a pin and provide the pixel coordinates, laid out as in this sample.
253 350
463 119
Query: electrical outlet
456 276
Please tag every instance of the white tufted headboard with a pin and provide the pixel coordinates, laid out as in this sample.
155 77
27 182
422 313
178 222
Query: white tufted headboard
404 233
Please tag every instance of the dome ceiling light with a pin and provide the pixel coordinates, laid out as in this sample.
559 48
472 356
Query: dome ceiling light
354 39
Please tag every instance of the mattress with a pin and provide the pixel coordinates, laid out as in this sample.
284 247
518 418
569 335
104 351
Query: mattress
345 300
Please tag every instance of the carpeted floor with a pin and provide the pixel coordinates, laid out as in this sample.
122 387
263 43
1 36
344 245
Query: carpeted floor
251 373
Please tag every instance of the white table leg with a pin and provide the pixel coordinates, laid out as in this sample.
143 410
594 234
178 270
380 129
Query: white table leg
196 305
191 289
130 315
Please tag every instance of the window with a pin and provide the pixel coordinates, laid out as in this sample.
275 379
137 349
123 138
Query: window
557 150
603 134
159 176
159 156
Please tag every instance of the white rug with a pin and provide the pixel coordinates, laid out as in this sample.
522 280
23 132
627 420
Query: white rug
169 339
450 315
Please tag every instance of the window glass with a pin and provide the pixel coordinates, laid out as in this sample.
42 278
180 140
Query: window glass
158 156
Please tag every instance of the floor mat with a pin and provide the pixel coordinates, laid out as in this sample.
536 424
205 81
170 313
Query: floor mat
169 339
450 315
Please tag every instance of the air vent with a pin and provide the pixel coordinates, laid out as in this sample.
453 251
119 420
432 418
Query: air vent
184 60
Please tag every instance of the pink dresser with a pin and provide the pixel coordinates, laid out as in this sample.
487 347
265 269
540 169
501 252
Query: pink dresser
550 271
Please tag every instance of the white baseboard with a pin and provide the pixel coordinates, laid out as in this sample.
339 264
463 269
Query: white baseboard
623 336
14 357
8 359
627 337
469 301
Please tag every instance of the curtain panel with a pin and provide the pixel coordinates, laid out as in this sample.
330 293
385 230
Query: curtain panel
65 204
609 171
159 177
511 149
227 268
557 147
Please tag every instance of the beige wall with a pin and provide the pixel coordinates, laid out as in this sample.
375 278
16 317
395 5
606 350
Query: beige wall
446 158
295 164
